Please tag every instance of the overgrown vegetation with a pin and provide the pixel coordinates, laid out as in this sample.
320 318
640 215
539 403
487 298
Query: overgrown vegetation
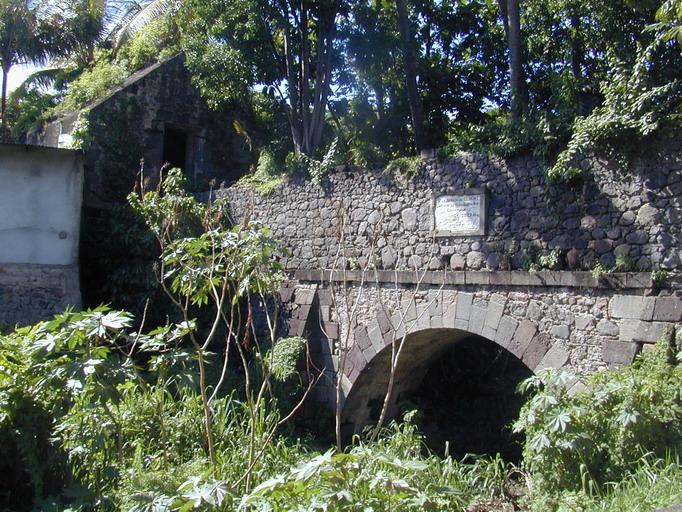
98 415
628 422
95 416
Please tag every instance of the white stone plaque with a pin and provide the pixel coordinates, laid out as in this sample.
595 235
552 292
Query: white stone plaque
460 215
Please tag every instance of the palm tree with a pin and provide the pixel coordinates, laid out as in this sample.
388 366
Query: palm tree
25 37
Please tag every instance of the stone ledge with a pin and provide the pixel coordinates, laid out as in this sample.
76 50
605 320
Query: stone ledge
560 279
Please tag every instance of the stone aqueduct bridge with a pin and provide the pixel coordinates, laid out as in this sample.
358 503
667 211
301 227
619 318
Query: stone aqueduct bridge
469 281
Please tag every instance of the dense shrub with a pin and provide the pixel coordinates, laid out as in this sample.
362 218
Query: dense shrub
580 443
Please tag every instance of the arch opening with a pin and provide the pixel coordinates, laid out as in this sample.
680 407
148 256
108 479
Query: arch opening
468 400
464 386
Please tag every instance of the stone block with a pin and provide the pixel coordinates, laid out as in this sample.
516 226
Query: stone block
584 322
488 333
305 296
303 311
495 311
464 304
556 357
409 308
295 327
578 280
618 352
286 293
668 309
331 330
455 278
561 331
325 297
462 325
361 338
384 321
477 320
536 350
477 278
325 313
638 280
505 331
375 336
435 304
523 335
356 358
449 315
632 306
369 353
607 328
520 278
637 330
423 318
436 321
500 278
398 325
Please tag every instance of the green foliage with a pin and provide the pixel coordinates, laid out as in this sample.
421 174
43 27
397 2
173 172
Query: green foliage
91 85
284 358
581 443
660 278
391 474
26 112
536 134
155 42
319 169
268 177
634 107
406 168
536 260
80 134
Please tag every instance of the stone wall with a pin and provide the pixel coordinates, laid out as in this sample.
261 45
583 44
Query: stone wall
33 292
40 207
613 212
565 320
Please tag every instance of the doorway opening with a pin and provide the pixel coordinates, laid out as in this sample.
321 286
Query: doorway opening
175 148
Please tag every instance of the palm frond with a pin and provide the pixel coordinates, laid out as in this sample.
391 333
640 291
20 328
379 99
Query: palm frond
135 21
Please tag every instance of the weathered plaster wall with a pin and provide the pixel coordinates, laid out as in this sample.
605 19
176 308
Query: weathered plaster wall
634 213
40 207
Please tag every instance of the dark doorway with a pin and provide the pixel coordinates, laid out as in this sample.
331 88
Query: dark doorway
468 400
175 148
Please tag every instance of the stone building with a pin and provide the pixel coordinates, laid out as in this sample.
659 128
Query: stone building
154 117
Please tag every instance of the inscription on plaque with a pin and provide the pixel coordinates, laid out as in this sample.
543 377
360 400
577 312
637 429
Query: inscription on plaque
460 215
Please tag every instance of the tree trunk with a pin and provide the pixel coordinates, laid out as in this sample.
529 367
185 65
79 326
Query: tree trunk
410 64
577 62
3 109
517 78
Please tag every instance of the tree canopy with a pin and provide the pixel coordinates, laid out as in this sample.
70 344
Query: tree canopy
385 77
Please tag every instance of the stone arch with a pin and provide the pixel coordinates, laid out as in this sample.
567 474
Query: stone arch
432 331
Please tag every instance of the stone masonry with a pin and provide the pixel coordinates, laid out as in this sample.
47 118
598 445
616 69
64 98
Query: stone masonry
432 291
633 214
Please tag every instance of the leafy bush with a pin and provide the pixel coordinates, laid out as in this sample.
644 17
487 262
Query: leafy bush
581 443
390 474
155 42
634 106
91 85
406 168
267 177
